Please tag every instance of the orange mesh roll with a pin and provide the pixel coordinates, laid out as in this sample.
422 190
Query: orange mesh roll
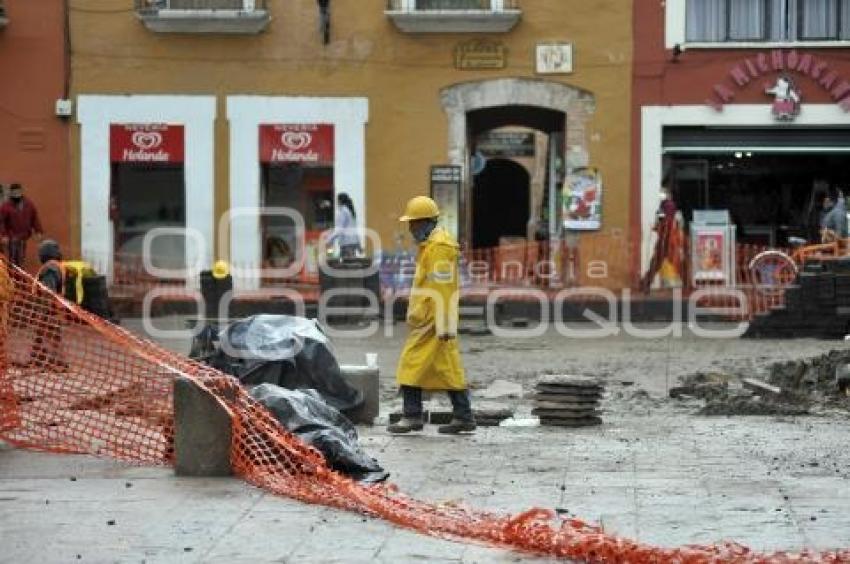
71 382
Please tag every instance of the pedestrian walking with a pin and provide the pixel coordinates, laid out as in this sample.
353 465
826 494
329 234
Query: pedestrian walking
431 359
18 222
668 255
345 227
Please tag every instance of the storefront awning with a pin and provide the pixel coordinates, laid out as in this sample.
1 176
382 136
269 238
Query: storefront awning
780 139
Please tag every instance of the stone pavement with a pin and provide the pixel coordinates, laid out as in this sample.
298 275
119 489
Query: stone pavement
652 472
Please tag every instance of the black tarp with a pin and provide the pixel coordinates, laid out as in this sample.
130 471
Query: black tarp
290 352
304 413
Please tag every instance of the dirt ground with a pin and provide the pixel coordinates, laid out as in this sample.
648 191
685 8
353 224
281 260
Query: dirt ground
651 364
629 361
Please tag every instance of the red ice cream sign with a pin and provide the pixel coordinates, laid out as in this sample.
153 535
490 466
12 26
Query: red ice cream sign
146 143
297 143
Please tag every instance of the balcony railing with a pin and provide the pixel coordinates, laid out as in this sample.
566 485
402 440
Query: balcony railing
203 16
454 16
428 5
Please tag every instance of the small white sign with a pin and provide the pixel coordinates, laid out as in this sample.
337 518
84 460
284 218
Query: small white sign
554 58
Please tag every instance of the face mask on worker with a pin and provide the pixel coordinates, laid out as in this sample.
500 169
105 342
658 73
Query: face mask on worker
423 230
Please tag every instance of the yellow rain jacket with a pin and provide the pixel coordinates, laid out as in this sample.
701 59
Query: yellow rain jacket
427 362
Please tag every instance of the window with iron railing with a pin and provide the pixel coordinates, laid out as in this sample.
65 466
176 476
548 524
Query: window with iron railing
200 4
723 21
452 4
448 5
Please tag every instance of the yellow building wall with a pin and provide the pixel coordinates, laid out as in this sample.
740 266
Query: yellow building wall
400 74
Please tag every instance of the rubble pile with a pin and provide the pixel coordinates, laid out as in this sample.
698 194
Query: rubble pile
727 394
816 376
790 388
568 401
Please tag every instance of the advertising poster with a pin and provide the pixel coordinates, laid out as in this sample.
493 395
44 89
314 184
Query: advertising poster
582 203
709 256
445 190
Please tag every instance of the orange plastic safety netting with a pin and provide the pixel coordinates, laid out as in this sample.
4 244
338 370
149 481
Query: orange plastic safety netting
71 382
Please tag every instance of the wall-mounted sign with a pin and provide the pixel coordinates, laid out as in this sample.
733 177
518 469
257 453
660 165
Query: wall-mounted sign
146 143
582 201
505 144
785 64
554 58
479 54
446 183
305 143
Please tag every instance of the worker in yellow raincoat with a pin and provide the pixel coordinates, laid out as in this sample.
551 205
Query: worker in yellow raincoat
431 358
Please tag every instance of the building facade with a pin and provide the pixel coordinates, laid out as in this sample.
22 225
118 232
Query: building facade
514 114
741 107
34 149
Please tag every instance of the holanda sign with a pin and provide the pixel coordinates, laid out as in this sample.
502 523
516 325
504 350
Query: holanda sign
146 143
303 143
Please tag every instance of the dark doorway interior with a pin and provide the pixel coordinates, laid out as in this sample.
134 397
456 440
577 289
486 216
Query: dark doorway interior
770 197
501 203
145 197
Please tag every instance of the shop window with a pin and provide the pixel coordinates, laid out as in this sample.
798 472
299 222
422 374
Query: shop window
146 197
718 21
771 197
307 191
148 191
297 176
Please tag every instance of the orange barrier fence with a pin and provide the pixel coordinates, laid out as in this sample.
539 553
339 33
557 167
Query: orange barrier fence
73 383
595 260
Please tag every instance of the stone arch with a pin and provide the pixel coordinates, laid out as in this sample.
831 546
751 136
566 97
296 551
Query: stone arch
577 104
459 100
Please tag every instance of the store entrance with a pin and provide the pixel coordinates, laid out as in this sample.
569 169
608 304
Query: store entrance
146 197
501 210
770 196
517 166
296 194
305 191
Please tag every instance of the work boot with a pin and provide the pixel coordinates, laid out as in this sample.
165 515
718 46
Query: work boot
405 425
456 426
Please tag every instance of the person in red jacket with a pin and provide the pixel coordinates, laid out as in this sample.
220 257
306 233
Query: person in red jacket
18 222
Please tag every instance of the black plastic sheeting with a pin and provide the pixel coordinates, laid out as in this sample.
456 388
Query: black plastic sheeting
290 352
304 413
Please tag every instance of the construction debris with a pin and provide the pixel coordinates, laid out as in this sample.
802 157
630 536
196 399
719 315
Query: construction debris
568 401
790 388
760 387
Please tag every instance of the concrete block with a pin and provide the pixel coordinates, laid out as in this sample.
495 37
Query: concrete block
202 432
365 379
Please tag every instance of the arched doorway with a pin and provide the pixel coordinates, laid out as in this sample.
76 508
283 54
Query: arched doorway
500 203
558 111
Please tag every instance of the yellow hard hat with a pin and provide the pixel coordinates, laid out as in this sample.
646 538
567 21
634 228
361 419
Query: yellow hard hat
220 269
420 207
